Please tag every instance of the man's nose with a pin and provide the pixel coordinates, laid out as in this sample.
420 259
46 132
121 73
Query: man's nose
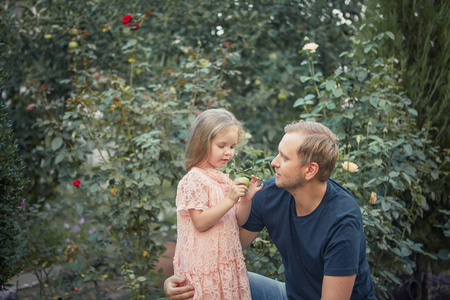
274 161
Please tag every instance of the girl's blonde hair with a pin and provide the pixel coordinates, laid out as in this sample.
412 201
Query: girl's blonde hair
205 127
320 145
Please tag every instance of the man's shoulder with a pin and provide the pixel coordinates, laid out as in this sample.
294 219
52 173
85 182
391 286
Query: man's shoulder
341 200
337 189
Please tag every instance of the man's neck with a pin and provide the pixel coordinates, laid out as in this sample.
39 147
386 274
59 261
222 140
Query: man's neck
308 197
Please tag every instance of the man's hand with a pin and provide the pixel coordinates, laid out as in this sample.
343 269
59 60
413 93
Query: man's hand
174 291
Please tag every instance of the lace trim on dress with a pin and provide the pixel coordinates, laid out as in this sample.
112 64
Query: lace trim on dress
194 189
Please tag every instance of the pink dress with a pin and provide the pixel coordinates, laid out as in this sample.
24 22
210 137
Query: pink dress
212 260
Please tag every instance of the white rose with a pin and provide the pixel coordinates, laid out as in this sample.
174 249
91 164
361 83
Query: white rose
311 47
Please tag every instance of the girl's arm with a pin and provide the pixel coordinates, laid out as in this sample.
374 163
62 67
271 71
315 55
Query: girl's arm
205 219
244 206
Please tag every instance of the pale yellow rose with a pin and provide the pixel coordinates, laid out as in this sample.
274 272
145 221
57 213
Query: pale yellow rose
311 47
349 166
373 198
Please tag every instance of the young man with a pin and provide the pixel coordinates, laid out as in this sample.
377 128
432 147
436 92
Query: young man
315 223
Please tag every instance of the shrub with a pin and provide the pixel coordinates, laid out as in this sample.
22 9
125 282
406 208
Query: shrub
11 201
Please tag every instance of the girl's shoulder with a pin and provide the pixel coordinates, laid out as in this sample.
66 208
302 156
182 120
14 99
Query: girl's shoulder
195 174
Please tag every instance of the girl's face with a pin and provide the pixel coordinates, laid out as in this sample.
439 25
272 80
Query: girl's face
222 146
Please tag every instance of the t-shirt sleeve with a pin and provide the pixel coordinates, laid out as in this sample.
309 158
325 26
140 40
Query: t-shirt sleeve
342 252
255 221
192 193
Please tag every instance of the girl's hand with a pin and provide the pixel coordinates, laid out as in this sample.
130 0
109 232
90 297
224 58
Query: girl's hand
236 190
253 188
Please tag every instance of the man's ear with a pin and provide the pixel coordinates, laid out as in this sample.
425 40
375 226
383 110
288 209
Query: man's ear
312 170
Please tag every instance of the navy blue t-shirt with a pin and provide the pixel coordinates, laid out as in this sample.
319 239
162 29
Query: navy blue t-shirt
328 241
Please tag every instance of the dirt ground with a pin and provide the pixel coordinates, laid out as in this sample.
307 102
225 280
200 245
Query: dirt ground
26 286
109 290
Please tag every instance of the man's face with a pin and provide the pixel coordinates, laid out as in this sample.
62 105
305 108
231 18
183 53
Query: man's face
287 164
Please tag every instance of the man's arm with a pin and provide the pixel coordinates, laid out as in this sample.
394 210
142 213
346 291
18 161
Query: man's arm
246 237
337 287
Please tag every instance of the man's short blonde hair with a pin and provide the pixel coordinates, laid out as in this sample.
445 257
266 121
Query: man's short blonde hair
320 145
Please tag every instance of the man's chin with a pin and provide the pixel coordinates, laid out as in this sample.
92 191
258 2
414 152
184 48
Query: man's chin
278 183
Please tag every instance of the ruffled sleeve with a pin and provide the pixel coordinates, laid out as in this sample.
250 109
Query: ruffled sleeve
193 192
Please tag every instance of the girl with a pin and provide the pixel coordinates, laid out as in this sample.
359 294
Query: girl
208 252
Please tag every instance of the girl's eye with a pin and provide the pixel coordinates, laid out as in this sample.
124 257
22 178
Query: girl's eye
221 146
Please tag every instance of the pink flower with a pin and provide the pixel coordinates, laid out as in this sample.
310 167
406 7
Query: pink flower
31 106
76 183
127 19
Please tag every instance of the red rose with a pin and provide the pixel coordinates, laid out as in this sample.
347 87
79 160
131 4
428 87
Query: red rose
126 19
76 183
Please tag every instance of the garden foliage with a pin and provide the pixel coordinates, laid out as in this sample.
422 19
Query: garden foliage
101 95
11 190
423 49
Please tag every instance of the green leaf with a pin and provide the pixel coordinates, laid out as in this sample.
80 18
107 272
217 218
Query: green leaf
398 143
413 112
407 178
310 97
374 101
59 158
299 102
330 84
385 205
390 34
394 174
362 75
330 105
408 149
57 142
280 269
444 254
304 79
338 92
